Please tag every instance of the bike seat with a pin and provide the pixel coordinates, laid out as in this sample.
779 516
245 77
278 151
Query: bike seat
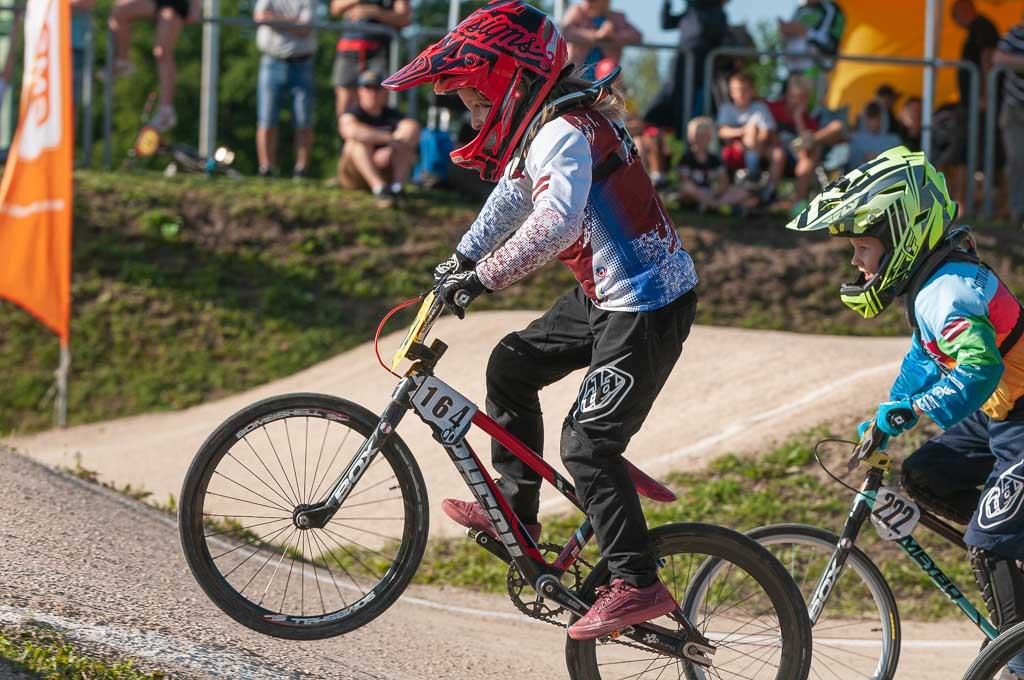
648 487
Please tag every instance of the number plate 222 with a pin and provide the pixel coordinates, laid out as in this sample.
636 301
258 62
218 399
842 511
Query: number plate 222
895 515
447 412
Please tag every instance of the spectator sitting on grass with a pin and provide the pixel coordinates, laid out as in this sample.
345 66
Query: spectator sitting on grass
704 181
800 139
649 140
871 139
745 126
380 144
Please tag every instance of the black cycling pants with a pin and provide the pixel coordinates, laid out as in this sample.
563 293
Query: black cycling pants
629 356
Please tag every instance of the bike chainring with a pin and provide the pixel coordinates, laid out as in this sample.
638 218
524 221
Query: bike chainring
538 607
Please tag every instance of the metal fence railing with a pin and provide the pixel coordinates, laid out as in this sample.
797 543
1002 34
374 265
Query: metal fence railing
989 171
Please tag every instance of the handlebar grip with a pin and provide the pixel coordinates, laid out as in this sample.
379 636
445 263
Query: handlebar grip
869 443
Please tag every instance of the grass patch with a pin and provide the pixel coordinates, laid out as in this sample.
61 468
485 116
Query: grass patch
42 652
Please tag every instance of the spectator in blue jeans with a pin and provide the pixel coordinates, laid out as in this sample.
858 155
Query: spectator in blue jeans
286 66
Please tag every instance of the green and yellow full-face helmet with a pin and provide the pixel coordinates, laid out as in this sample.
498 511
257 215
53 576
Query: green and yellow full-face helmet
900 199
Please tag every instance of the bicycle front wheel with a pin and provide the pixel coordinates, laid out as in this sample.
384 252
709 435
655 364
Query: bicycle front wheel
858 631
241 539
749 608
991 663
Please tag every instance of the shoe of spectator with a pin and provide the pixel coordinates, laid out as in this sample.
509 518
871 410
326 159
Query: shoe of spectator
265 171
164 120
659 181
767 195
397 192
383 199
299 174
332 183
122 67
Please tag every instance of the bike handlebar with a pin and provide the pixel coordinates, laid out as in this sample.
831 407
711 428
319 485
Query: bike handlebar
868 444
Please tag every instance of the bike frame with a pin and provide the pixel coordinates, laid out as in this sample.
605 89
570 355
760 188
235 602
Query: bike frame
450 416
863 505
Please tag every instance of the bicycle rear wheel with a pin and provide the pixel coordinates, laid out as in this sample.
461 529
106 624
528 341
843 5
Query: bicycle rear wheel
858 631
749 608
991 663
237 518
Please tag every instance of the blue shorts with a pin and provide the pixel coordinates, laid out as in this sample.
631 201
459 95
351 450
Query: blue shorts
985 452
278 76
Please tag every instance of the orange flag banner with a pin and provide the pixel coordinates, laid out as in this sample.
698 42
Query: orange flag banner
35 193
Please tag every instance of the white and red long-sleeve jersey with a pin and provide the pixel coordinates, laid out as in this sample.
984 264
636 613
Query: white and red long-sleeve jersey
613 233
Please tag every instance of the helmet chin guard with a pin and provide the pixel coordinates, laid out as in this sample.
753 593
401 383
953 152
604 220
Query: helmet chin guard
510 52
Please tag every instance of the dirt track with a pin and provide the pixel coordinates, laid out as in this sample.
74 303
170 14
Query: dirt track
111 571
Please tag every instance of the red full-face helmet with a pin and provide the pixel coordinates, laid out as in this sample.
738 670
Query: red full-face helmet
510 52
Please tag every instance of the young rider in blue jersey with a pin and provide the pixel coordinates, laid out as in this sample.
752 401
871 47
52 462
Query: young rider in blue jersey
965 367
569 186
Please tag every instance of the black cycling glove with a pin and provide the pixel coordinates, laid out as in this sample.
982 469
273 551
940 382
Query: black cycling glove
453 265
458 290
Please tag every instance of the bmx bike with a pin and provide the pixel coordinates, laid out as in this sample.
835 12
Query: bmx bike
305 516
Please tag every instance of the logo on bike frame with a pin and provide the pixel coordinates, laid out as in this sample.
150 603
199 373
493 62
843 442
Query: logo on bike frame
1002 502
602 391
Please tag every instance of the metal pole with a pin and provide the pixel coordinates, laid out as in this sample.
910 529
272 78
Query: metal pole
972 138
61 375
108 101
209 84
988 208
928 81
689 66
87 92
453 14
559 10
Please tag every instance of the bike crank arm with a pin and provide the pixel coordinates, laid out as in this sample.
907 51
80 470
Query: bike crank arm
691 645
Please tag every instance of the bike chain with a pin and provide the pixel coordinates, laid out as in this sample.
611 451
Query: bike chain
537 608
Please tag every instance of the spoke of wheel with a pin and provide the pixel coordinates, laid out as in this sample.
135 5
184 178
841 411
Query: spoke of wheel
349 506
259 539
334 457
279 463
212 515
254 493
272 475
326 552
342 537
245 528
365 531
278 493
305 460
319 458
258 571
243 500
287 581
291 455
355 557
363 490
273 576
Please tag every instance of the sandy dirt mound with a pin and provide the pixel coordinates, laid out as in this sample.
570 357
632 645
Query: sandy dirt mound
733 391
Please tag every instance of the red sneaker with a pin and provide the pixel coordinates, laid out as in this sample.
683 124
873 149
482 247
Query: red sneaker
620 605
470 515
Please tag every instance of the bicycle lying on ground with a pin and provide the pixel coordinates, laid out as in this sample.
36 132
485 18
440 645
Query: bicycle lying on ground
853 612
304 516
991 663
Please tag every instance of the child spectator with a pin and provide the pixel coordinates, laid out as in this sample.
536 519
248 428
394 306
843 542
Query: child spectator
704 180
745 126
798 149
871 139
910 123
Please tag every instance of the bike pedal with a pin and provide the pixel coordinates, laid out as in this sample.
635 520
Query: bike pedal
487 542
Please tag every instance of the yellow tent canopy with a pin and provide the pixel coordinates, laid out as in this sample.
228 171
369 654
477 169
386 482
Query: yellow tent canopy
896 28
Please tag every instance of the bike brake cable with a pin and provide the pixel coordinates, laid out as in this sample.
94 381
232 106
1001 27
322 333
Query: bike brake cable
380 327
822 463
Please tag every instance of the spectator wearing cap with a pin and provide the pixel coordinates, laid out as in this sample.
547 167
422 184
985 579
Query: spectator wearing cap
362 45
380 143
1011 117
286 66
594 32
